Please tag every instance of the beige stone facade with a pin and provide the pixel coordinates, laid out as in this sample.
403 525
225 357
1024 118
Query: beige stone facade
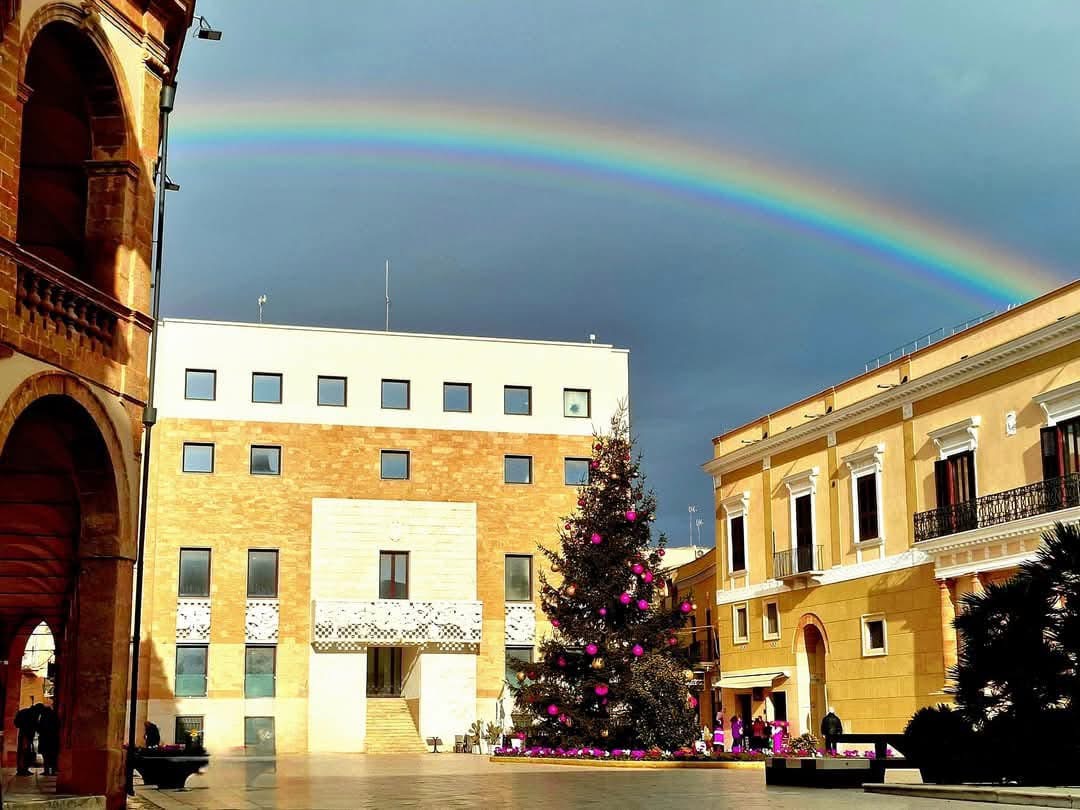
329 514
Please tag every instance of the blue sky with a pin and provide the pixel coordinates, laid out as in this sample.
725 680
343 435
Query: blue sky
967 113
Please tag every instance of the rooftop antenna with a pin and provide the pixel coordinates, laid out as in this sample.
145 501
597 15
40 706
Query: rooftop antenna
262 300
693 513
387 295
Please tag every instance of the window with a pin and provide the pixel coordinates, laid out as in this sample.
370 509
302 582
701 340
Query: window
394 464
804 527
517 469
954 481
393 575
395 394
771 621
259 734
517 399
194 572
577 402
200 384
262 574
518 578
576 472
188 726
265 459
259 668
516 657
779 706
332 391
190 670
198 457
874 638
1061 459
457 397
266 388
866 507
737 543
740 618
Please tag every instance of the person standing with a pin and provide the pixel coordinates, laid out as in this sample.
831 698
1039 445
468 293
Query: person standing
48 738
153 735
831 728
26 723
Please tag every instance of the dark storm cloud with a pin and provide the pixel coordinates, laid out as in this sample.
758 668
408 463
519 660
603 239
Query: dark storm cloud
968 113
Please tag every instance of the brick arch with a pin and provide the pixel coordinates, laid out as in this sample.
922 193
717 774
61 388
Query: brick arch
119 144
49 383
807 620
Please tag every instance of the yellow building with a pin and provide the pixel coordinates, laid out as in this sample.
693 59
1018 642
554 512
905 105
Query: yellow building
342 541
696 580
850 524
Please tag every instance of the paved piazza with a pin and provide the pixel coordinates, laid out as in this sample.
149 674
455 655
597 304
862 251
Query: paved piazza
343 782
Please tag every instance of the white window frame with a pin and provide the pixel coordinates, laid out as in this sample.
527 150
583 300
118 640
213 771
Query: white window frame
735 507
864 623
1060 404
861 464
735 608
799 484
765 634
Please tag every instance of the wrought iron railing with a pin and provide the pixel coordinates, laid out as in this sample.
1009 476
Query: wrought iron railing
797 561
701 652
1039 498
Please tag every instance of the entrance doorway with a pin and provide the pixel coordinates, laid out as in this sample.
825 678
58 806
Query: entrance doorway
815 659
384 672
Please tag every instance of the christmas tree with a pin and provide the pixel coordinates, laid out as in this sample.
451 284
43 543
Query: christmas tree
610 676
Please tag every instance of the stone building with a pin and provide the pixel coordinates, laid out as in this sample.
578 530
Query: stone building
79 89
850 524
342 553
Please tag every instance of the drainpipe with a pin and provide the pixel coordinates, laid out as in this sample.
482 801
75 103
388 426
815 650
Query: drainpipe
165 106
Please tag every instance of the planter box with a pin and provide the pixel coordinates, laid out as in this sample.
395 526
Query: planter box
823 772
169 772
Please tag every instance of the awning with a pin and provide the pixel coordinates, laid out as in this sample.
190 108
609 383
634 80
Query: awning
751 679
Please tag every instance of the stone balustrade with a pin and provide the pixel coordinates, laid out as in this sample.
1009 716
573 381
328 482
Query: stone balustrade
355 625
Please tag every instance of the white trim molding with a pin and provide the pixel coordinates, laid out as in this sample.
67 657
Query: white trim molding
1047 339
737 506
860 464
1060 404
735 637
765 634
959 437
800 484
912 558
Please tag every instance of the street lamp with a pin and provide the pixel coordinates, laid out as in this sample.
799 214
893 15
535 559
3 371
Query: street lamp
166 102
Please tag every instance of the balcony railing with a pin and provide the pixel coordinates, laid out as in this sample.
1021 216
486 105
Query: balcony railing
65 304
702 652
798 562
352 625
1030 500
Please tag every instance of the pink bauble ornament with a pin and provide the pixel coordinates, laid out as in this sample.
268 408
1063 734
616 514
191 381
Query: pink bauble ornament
672 641
591 649
595 465
637 568
596 539
561 662
631 515
647 576
637 650
686 607
693 702
603 702
642 604
554 622
624 597
553 710
601 689
602 611
660 552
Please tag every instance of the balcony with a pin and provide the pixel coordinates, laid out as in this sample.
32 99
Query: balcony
702 654
340 626
1031 500
804 561
66 305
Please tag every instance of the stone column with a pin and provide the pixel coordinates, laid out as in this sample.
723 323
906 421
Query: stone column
92 725
948 632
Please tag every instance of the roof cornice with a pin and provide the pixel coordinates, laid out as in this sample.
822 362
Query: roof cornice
1033 344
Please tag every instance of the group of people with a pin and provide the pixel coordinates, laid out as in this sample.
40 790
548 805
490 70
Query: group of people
41 721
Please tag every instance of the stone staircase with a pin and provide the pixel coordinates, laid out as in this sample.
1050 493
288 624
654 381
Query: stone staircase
391 728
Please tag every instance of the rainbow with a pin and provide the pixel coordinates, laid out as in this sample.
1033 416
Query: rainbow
509 141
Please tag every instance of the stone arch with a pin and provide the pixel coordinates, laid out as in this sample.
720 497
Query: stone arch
78 169
808 619
811 648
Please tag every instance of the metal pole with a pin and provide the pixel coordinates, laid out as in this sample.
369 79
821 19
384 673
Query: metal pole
168 96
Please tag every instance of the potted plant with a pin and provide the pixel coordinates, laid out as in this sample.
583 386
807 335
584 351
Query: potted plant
492 734
476 735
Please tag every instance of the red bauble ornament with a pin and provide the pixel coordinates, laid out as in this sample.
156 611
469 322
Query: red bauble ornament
554 622
567 527
672 641
597 446
561 662
660 552
581 502
595 465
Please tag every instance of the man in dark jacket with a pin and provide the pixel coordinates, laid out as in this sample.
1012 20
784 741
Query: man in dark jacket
26 721
48 737
831 728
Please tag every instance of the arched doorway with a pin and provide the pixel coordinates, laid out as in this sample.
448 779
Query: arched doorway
63 561
72 154
811 650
